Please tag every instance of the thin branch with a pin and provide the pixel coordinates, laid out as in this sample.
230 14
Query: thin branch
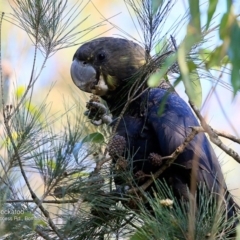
42 233
49 189
30 84
100 163
171 158
45 201
214 136
221 134
33 195
227 135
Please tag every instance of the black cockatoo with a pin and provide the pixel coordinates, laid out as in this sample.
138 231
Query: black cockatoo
108 67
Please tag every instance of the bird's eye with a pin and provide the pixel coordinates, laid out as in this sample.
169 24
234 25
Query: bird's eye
101 56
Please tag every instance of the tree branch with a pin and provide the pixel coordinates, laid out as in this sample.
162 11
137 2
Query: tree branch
213 135
33 195
45 201
42 233
171 158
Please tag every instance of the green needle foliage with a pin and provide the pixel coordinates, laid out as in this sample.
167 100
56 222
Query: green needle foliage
50 24
201 218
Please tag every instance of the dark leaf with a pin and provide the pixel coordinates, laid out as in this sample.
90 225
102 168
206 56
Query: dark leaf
94 138
211 10
195 16
157 77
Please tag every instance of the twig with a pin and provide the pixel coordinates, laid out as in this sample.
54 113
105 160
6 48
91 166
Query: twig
31 82
171 158
214 136
33 195
42 233
227 135
49 189
45 201
76 207
100 163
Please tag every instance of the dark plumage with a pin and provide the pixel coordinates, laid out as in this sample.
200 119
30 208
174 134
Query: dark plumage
148 133
103 67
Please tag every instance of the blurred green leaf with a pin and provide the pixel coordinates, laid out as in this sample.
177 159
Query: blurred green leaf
192 84
161 46
195 22
6 141
229 32
94 138
31 108
34 111
20 91
204 54
211 10
235 79
225 60
224 26
52 164
194 89
189 73
80 174
215 57
234 56
39 222
191 66
155 79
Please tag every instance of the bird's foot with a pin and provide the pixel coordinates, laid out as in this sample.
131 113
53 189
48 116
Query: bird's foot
97 112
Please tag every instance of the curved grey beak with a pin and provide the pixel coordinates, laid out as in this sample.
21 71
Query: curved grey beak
83 75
